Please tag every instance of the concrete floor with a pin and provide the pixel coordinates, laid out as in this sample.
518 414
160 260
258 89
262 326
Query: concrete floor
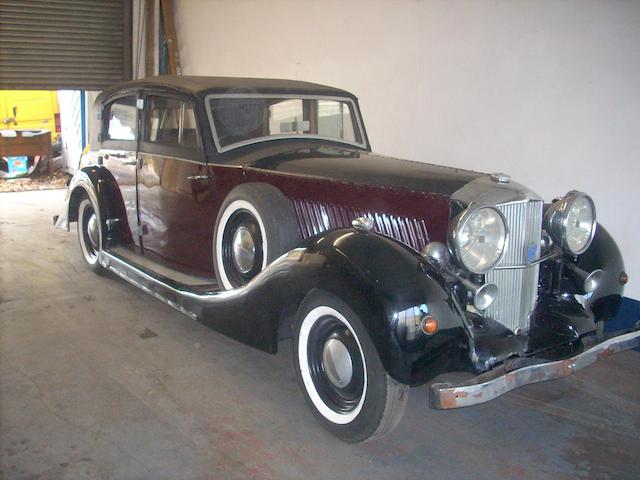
100 380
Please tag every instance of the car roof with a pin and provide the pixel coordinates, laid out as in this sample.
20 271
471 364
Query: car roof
196 85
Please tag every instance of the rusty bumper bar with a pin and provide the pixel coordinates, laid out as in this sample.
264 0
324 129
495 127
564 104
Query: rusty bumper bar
501 380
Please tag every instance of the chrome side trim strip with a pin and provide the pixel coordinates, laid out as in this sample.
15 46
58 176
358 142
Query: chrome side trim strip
501 380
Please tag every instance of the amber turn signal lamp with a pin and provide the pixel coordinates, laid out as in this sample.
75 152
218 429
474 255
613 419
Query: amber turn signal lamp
429 325
624 278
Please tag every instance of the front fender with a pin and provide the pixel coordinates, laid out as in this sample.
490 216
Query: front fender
605 255
382 280
390 287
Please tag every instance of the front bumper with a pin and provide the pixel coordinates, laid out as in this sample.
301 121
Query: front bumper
510 376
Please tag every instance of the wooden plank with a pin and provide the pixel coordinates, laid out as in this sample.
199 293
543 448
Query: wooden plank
170 37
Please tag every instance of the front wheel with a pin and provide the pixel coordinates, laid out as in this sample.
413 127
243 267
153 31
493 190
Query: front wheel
90 234
340 373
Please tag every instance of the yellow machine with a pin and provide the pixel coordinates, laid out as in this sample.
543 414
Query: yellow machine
27 119
30 110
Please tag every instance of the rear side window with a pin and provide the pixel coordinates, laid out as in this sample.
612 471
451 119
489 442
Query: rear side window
171 121
121 119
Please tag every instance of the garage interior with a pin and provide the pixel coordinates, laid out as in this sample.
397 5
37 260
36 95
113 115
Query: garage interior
100 380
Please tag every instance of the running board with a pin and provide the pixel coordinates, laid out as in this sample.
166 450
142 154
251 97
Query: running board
249 314
183 297
145 263
194 300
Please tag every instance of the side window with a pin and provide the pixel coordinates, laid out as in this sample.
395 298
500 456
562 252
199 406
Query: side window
121 119
171 121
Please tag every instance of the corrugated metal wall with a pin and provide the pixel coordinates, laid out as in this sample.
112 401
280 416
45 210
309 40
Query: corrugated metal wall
64 44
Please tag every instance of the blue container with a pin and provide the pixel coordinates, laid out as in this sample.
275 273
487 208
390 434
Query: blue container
17 165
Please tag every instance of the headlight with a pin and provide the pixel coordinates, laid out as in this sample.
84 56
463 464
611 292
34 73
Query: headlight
571 222
478 238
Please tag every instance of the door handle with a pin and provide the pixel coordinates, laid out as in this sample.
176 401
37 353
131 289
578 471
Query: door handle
198 177
133 161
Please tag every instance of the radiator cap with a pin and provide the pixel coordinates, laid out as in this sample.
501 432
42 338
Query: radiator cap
501 177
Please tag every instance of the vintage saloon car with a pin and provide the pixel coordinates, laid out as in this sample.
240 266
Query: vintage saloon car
256 207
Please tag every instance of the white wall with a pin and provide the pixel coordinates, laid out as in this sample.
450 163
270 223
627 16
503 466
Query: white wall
546 91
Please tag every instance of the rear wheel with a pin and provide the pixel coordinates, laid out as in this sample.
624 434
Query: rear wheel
90 234
340 373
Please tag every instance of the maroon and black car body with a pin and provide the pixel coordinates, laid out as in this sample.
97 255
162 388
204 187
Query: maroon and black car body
257 208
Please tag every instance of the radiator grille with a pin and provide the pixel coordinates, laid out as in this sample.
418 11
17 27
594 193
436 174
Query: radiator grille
517 286
315 217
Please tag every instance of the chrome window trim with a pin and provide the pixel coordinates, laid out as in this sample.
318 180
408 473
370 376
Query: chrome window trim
233 146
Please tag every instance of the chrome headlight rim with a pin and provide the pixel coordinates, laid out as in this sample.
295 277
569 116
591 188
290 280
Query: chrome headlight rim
557 220
459 222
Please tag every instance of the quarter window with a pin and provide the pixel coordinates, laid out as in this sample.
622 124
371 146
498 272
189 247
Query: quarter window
122 119
172 122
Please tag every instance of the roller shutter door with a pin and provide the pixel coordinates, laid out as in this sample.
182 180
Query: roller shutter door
64 44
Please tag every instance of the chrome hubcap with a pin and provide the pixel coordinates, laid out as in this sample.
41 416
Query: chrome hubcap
244 250
337 362
93 231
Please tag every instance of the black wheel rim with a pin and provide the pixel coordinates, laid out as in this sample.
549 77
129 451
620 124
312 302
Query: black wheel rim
345 397
245 221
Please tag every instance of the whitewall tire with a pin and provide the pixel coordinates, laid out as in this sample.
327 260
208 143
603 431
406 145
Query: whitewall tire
309 321
255 226
236 208
340 373
90 234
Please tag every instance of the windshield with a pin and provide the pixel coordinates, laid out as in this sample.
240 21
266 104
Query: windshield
241 120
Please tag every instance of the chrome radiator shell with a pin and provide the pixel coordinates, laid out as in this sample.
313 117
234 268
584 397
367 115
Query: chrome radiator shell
517 282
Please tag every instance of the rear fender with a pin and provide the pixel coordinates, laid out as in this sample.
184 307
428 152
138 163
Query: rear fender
98 184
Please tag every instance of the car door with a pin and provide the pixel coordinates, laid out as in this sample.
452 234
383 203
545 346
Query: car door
176 208
118 153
